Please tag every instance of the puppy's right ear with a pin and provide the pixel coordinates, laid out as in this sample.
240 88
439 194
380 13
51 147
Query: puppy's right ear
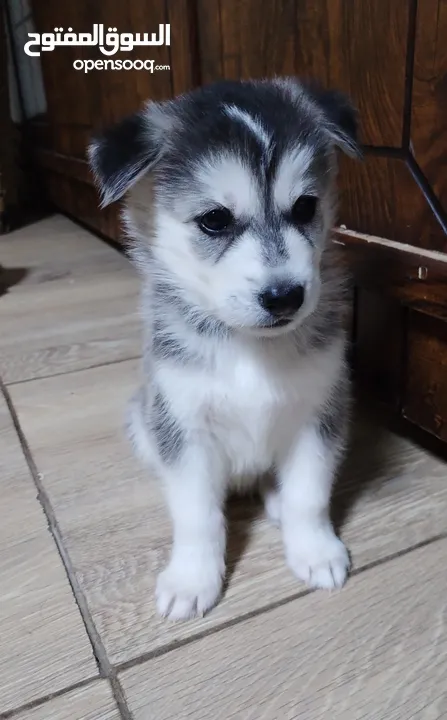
341 118
122 154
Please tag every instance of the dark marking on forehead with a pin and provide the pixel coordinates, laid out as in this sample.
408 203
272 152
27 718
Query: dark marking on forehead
205 124
253 126
272 165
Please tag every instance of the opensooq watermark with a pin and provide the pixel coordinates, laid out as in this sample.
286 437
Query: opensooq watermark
109 43
148 65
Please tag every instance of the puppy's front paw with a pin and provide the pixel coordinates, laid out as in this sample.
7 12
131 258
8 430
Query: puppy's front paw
186 590
318 557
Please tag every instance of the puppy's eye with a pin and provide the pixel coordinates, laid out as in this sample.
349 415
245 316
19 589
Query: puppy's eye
304 209
216 221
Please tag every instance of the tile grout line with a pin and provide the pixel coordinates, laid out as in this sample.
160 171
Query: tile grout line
105 668
177 644
106 363
146 657
10 714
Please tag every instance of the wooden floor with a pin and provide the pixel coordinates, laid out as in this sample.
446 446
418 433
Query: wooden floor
83 532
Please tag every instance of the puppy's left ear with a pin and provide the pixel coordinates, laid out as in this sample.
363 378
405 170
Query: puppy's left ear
342 119
125 152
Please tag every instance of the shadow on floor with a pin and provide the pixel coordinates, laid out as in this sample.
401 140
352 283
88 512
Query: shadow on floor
365 465
10 277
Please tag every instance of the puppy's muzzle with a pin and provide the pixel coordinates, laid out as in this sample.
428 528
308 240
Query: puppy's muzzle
282 301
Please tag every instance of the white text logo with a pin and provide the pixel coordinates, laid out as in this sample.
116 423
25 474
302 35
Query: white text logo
109 43
148 65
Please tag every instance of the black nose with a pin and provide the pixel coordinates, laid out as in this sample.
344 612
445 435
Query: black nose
282 300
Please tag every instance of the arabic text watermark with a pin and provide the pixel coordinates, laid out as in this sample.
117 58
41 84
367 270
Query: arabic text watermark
108 43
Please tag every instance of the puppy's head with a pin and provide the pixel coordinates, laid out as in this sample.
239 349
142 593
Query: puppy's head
232 189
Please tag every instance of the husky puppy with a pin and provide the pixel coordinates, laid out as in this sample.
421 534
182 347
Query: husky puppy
231 201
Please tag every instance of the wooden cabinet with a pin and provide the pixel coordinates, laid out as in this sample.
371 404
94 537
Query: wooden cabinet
425 389
390 56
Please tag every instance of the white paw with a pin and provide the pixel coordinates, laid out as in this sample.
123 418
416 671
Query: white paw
317 557
186 590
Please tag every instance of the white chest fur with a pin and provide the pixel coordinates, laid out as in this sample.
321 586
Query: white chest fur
253 400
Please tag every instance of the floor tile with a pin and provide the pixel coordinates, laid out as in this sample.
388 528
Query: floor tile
68 325
43 643
54 249
72 302
93 702
377 649
393 496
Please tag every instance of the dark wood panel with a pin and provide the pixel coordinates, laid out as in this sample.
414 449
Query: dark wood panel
358 47
380 197
80 103
71 167
258 38
209 37
9 167
64 139
415 278
425 400
379 346
99 96
429 104
80 201
184 50
69 92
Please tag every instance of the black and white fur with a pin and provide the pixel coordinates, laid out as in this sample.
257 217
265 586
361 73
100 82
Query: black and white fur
228 393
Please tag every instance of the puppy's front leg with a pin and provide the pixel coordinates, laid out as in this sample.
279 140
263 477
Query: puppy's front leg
313 551
192 582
